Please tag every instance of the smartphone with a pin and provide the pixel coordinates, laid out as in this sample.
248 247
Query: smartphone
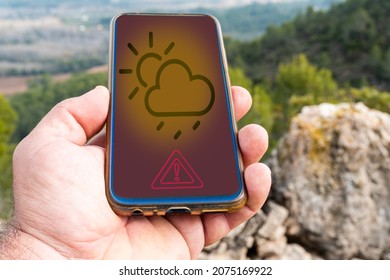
171 133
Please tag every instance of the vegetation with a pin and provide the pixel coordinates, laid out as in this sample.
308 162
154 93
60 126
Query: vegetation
7 125
252 20
51 36
43 94
27 109
352 39
297 84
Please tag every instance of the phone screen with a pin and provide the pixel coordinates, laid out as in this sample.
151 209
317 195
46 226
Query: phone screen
172 136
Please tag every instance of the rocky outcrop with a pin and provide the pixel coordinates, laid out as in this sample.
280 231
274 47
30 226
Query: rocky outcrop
331 191
262 237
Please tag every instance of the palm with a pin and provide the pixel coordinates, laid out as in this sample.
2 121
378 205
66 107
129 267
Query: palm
93 230
60 198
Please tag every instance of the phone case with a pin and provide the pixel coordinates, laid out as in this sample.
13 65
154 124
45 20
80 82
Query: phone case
171 134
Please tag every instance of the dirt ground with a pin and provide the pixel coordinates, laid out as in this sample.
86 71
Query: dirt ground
18 84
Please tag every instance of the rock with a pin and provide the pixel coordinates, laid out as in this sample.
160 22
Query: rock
276 217
261 237
332 172
295 252
270 249
386 256
330 196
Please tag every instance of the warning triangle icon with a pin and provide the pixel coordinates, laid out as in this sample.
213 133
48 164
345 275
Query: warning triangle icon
176 173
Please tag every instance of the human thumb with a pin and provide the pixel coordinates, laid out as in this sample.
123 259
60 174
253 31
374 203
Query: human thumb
76 119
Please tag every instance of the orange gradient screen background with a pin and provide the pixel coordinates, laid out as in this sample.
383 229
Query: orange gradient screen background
172 132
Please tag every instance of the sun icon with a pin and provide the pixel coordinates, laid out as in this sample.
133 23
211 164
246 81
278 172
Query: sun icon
175 91
141 61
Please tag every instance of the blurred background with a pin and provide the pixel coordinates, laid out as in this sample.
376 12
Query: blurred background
288 53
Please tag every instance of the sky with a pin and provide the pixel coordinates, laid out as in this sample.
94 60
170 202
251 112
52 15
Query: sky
196 3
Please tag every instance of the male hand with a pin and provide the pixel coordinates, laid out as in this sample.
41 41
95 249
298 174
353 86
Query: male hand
61 210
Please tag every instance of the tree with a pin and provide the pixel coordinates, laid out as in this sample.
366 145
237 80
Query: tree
262 107
358 31
43 94
261 110
238 77
349 38
298 78
8 119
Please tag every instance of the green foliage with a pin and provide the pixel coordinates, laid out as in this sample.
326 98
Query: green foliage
8 119
308 85
30 107
261 110
351 39
371 97
299 83
252 20
299 77
77 43
358 30
238 78
66 65
298 80
43 94
6 151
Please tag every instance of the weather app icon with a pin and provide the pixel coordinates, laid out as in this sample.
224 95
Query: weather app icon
172 90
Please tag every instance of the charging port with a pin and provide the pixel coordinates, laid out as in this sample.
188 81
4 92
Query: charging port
178 210
137 212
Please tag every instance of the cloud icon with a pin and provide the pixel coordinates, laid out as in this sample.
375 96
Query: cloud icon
177 92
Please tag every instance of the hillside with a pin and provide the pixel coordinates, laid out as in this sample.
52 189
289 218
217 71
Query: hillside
352 39
163 5
248 22
62 37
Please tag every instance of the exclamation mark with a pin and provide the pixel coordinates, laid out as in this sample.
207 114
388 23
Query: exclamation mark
176 168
